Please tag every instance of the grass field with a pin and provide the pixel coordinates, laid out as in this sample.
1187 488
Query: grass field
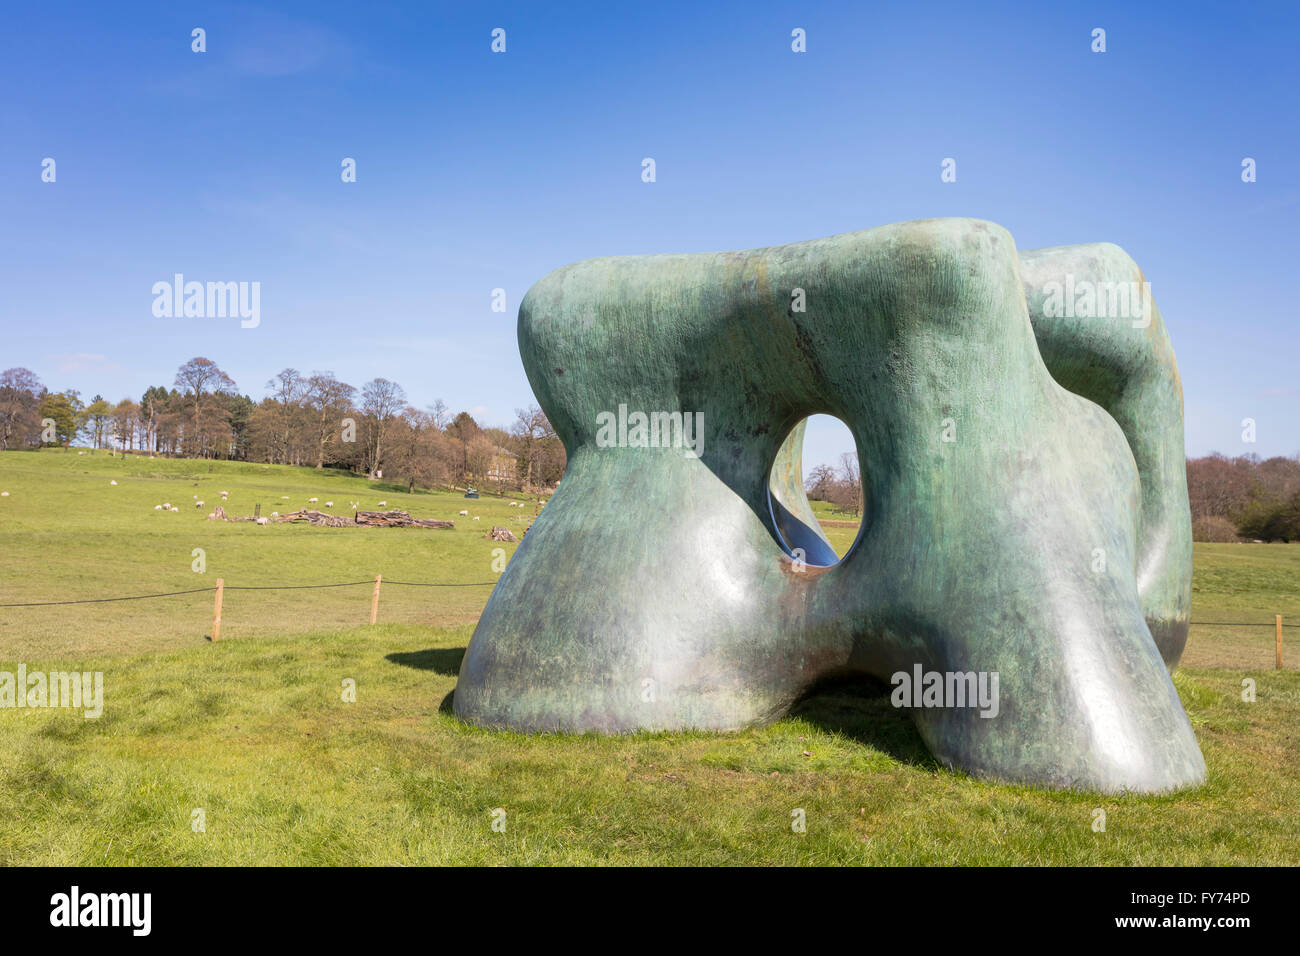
67 533
254 730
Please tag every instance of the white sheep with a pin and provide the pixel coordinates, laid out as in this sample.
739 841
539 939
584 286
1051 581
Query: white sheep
113 482
329 504
157 507
356 505
284 497
167 506
462 512
223 493
275 514
383 504
4 494
476 517
312 501
198 504
176 509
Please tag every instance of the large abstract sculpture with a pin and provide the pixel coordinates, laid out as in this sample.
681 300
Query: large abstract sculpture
1018 420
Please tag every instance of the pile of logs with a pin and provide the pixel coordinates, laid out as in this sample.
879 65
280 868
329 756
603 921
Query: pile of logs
499 533
367 519
398 519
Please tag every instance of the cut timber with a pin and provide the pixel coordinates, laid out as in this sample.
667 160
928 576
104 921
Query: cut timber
499 533
398 519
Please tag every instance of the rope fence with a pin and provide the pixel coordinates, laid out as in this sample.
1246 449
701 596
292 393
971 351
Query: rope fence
264 587
221 588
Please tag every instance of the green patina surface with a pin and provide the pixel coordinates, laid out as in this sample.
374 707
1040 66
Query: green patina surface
1025 506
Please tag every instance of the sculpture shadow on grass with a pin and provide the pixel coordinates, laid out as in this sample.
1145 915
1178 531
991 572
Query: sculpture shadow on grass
440 660
859 709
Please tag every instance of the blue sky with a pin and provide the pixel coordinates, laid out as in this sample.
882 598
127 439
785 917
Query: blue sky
478 170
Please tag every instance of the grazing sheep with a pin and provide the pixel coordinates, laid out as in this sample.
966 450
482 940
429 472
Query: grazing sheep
198 504
312 501
356 505
514 504
383 504
476 517
275 514
4 494
284 497
462 512
223 493
176 509
157 507
261 520
329 504
167 506
113 482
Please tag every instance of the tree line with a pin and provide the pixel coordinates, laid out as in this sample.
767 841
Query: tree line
1244 498
315 420
1232 499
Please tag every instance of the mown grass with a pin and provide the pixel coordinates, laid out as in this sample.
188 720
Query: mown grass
254 731
66 533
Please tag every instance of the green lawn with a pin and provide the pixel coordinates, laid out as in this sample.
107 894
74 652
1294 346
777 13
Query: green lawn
254 730
67 533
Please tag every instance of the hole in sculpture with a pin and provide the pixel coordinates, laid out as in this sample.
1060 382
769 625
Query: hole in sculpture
814 490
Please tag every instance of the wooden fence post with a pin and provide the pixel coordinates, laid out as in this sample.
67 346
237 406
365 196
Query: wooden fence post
374 600
216 610
1278 643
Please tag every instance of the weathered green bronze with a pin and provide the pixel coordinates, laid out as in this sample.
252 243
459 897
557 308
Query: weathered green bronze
1025 510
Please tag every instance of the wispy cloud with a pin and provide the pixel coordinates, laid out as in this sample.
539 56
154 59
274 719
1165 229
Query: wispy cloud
271 44
74 362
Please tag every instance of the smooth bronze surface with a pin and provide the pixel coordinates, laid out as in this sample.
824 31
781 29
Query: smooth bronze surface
1025 518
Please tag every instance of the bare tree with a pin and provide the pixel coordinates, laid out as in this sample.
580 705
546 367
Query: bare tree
820 483
531 427
381 401
847 494
329 401
20 402
199 379
126 415
287 389
439 414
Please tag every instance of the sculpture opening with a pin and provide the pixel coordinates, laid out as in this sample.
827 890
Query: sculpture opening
836 475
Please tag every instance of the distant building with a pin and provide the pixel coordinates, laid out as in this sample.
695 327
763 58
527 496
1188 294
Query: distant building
502 467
